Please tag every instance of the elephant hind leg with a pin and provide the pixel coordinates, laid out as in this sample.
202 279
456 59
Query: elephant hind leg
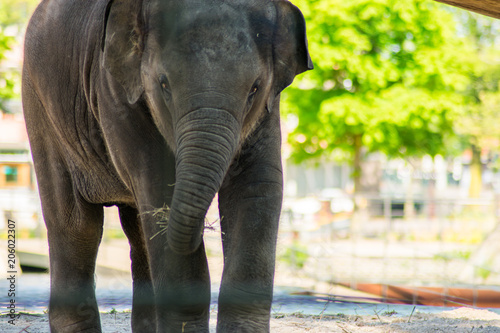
74 238
74 226
143 307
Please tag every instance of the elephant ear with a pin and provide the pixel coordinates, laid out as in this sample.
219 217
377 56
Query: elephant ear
123 44
290 51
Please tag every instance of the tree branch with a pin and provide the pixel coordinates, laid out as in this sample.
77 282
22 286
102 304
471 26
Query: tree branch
485 7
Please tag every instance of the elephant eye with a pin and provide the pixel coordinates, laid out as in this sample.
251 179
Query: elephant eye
164 82
165 86
253 92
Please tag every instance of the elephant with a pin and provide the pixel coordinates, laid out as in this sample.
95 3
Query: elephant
156 106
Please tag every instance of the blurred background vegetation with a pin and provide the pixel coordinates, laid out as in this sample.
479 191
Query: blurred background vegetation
14 15
404 78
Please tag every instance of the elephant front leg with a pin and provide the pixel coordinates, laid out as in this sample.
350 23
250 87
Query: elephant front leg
250 205
249 242
181 283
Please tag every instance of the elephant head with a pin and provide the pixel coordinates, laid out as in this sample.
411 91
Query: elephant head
208 71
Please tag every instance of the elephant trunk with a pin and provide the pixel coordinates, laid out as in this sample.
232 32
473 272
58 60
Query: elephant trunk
207 140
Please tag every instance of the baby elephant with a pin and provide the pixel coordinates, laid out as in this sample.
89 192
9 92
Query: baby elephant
156 106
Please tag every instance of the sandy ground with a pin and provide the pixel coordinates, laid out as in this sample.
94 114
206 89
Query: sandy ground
465 320
458 320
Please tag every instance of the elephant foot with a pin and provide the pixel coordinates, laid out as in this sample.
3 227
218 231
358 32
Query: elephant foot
243 324
243 310
67 326
143 324
184 324
73 312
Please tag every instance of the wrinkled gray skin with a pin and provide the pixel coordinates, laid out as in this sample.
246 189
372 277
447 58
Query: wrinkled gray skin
125 98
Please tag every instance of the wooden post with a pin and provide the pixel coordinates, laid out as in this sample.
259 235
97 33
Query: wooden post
485 7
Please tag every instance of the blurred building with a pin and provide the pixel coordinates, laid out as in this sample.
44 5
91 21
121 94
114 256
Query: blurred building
18 196
15 161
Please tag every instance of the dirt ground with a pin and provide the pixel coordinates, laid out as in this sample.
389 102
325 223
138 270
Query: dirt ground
465 320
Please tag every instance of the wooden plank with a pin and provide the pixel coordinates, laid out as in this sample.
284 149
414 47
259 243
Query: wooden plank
485 7
431 296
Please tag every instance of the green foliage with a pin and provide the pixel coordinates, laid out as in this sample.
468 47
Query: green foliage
8 77
450 255
295 256
389 313
388 71
13 16
477 120
16 12
483 271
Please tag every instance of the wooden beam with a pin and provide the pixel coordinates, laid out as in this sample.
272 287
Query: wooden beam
485 7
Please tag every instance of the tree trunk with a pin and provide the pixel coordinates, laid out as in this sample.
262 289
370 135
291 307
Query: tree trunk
409 205
358 172
476 179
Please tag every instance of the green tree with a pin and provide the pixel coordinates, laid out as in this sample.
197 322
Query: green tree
477 121
13 16
7 76
386 78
